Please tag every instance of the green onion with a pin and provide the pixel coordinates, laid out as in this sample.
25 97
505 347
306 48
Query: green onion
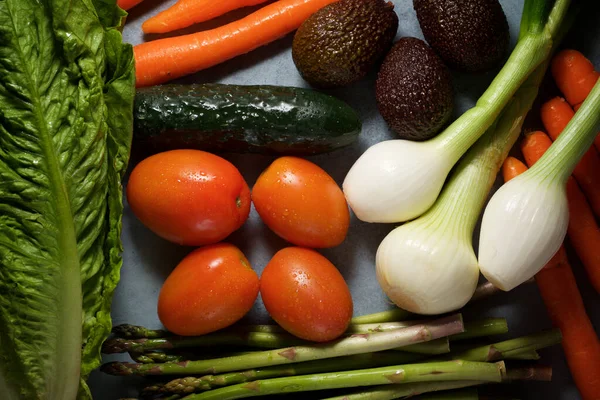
428 266
526 220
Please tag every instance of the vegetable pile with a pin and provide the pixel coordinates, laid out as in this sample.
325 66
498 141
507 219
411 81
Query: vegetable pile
71 93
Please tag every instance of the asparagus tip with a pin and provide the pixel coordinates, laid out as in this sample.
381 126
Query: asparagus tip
128 331
119 368
123 330
187 385
157 388
116 345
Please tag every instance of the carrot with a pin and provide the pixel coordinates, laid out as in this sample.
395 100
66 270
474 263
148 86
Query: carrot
584 233
565 306
556 114
583 229
574 75
534 146
564 303
189 12
512 167
162 60
128 4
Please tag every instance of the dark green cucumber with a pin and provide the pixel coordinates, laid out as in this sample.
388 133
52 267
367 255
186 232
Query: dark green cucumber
234 118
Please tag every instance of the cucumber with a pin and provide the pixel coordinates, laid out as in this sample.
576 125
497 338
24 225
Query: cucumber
234 118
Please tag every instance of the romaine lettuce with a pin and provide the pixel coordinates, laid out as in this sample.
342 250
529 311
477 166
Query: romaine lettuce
66 98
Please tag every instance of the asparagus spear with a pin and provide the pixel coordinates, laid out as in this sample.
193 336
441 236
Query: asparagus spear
358 361
526 355
251 339
427 372
388 392
262 338
266 336
473 329
395 314
510 348
400 391
127 331
482 328
161 357
156 357
355 344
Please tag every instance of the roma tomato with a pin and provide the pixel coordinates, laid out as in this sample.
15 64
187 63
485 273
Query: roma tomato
306 294
301 203
210 289
189 197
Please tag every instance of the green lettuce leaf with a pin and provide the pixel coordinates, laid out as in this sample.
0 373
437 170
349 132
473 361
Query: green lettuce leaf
98 287
66 94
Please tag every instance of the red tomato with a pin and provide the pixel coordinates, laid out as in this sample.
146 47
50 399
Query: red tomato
301 203
189 197
306 294
210 289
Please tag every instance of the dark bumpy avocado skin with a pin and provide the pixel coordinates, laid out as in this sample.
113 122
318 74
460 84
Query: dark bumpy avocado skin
469 35
414 90
341 43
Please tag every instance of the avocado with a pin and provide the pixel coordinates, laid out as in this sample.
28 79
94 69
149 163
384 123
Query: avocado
342 42
469 35
414 90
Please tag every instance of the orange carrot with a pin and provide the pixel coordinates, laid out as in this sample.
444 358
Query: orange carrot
583 229
565 306
534 146
189 12
584 233
556 114
574 75
128 4
165 59
563 301
512 167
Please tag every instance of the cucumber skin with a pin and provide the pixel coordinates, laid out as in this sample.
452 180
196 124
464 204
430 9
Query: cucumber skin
243 119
